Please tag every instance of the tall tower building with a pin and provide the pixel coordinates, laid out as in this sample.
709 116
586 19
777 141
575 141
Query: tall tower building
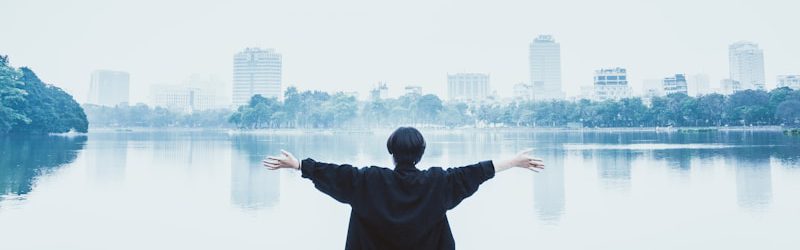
256 71
545 68
747 65
109 88
468 86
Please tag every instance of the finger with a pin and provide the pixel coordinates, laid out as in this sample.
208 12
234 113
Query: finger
271 165
275 158
534 170
285 153
526 151
271 161
534 162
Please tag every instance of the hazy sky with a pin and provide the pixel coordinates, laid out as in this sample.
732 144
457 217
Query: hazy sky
351 45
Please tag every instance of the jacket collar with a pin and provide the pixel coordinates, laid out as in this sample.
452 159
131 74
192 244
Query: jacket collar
405 167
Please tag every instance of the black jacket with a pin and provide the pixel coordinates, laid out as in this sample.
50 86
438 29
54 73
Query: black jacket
403 208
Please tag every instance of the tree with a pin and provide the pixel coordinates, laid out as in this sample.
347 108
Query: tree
788 112
428 107
10 96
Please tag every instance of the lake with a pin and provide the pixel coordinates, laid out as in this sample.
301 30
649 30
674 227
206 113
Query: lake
207 190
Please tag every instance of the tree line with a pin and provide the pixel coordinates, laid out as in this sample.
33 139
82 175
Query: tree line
30 106
141 115
316 109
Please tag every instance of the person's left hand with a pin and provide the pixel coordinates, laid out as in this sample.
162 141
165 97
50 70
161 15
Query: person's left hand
287 160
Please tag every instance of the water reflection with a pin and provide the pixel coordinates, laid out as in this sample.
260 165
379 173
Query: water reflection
24 159
253 186
753 178
614 167
108 158
548 186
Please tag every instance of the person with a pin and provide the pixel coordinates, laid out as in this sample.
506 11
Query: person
404 208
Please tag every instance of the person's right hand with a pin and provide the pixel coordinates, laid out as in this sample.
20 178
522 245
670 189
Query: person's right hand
524 160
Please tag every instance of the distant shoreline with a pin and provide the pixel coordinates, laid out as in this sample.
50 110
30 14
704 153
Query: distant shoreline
438 130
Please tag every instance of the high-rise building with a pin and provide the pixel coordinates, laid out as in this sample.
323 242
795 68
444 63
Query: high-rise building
791 81
747 65
468 86
729 86
256 71
523 92
611 84
545 68
109 88
698 84
675 85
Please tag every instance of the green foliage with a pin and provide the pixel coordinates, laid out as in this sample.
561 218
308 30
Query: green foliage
23 158
29 106
315 109
10 96
141 115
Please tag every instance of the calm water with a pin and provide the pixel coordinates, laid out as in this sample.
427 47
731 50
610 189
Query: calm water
192 190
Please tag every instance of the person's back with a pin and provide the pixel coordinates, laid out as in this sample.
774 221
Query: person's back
404 208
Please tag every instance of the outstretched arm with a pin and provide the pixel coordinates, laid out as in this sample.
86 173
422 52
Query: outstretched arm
522 160
462 182
337 181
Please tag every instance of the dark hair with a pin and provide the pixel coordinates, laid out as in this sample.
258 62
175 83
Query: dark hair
406 145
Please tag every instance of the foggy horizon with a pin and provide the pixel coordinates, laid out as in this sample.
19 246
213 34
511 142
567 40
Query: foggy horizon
351 46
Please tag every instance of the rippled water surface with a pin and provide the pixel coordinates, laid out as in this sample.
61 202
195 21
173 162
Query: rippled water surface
206 190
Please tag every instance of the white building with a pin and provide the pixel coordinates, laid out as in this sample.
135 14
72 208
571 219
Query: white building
468 86
413 90
380 91
256 71
611 84
183 98
675 85
109 88
791 81
212 86
698 84
729 86
747 65
523 92
545 68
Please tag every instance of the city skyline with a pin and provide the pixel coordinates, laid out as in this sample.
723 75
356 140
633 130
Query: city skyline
397 50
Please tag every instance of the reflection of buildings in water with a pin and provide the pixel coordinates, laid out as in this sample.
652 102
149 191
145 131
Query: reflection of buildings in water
252 186
24 159
548 185
614 167
107 159
679 159
753 182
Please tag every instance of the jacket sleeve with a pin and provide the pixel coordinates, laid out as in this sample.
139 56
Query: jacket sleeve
337 181
462 182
